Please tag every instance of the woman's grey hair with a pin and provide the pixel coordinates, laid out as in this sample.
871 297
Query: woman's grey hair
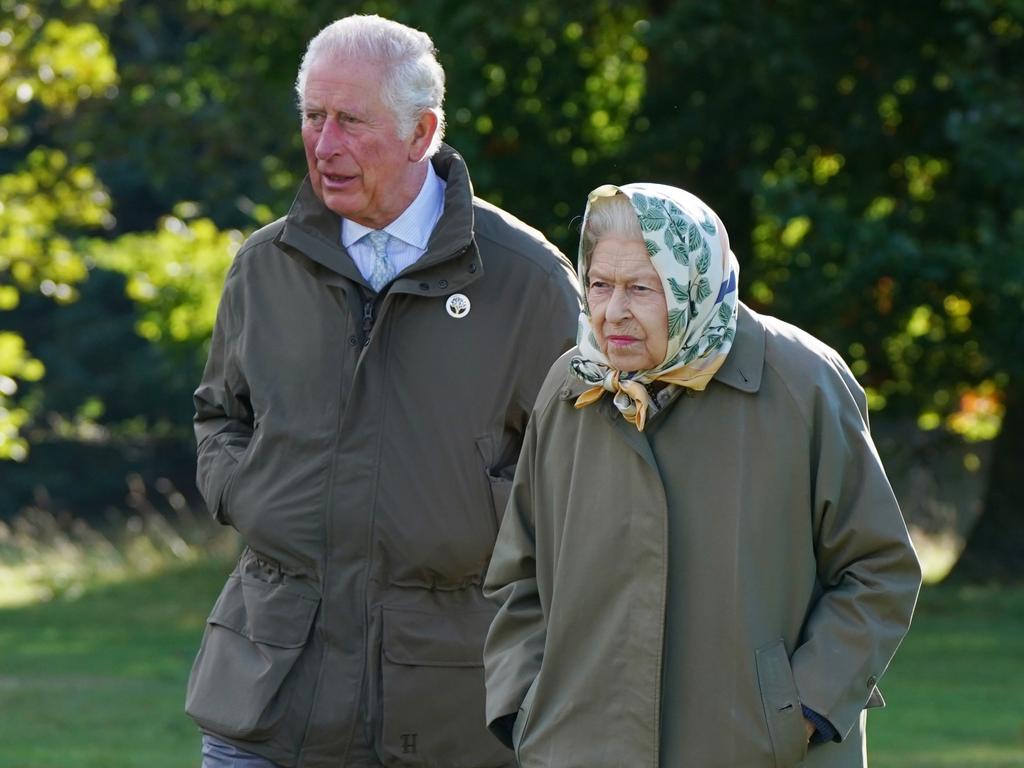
413 80
609 216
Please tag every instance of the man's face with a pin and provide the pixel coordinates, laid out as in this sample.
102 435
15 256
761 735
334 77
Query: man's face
358 165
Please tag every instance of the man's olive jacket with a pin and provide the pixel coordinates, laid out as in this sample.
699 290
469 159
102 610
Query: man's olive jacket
363 448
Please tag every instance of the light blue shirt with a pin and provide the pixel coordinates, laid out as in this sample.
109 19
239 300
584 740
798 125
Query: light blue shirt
410 232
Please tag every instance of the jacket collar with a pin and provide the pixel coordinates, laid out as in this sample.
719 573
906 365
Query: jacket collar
311 230
741 370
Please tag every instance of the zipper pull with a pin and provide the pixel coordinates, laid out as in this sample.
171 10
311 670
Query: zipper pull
367 321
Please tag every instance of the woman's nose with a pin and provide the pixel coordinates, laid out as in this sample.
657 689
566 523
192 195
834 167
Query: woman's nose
618 305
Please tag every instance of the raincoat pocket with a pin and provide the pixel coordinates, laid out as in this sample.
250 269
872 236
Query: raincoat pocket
782 710
432 691
254 635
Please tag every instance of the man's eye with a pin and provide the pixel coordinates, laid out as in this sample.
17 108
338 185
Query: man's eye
315 118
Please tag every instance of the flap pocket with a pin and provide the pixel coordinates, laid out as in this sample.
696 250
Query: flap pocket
254 636
432 691
277 614
423 639
781 703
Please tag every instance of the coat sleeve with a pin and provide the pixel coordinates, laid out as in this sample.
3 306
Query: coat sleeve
555 309
515 643
223 413
866 564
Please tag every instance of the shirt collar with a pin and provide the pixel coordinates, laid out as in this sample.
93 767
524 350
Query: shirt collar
417 221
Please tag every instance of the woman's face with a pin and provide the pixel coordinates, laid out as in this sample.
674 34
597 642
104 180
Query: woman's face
627 304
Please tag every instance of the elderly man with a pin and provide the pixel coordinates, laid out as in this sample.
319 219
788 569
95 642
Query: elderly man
375 359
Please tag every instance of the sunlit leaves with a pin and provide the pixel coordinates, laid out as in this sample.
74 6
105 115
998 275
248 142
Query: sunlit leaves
15 364
175 274
53 63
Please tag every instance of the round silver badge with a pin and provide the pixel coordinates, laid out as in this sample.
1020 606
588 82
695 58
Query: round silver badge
458 305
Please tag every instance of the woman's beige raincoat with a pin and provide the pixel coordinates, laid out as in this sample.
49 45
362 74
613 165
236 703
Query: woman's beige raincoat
672 597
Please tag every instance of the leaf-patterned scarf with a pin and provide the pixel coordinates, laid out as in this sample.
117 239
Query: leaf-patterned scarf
689 248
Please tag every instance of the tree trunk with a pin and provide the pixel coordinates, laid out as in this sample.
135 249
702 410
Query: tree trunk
995 548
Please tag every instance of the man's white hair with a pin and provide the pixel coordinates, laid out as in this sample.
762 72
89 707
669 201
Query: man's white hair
413 79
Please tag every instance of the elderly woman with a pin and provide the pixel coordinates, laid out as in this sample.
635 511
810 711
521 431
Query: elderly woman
702 562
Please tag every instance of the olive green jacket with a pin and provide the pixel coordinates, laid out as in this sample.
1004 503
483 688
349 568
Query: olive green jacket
673 597
363 447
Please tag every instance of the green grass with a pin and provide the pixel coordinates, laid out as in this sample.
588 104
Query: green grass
98 679
955 691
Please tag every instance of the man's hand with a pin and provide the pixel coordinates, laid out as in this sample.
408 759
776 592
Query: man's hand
809 728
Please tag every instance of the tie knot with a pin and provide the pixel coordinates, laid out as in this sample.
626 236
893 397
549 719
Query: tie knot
379 240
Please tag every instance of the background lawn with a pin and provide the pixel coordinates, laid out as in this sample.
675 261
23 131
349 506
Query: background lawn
98 681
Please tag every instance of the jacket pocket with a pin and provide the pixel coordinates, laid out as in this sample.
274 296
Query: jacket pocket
257 630
782 711
432 692
500 486
217 465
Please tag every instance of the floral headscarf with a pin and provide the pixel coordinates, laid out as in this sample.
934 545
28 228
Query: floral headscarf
689 248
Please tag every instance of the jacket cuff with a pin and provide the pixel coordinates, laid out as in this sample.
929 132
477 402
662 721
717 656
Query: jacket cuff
823 729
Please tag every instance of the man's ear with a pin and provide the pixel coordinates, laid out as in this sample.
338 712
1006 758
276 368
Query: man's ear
422 135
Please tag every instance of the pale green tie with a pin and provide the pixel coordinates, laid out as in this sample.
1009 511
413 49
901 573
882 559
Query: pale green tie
383 269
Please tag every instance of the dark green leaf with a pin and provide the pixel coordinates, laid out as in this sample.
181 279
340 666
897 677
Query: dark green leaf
676 318
693 238
707 224
681 254
704 260
678 291
701 290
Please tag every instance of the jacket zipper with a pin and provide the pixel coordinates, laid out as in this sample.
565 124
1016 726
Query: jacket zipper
368 305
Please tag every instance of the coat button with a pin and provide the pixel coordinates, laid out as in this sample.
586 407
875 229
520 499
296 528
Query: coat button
871 682
353 340
442 283
472 268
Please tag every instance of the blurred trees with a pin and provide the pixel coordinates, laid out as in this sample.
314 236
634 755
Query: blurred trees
866 157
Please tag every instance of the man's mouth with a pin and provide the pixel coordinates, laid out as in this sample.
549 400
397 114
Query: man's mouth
334 179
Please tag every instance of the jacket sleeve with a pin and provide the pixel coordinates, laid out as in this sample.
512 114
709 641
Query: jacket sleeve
555 309
866 564
515 643
223 419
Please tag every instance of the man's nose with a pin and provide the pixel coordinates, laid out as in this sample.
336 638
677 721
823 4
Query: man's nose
330 141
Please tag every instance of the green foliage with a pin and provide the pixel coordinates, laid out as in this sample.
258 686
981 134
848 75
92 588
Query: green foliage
175 274
47 68
865 157
867 161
